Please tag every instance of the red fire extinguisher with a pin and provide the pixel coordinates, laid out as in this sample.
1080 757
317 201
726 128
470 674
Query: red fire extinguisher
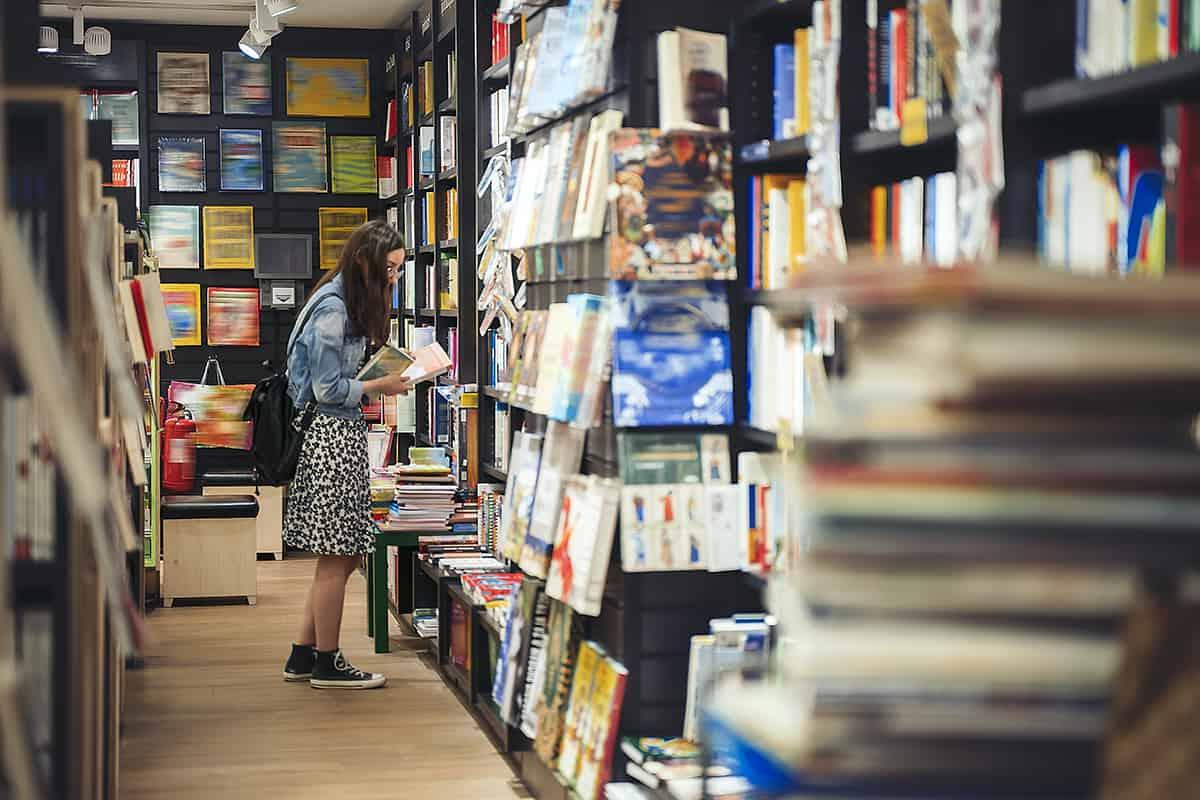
179 450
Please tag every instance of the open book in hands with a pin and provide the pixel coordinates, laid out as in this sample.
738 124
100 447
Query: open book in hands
417 366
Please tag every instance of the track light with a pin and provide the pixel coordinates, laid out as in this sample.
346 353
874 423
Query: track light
97 41
277 8
250 46
47 39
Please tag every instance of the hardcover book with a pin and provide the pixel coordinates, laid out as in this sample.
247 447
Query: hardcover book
564 635
663 528
673 213
524 462
588 662
388 360
598 734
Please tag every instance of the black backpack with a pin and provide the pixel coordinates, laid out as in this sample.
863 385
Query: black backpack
278 427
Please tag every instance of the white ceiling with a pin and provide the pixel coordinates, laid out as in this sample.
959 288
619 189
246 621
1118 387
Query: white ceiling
373 14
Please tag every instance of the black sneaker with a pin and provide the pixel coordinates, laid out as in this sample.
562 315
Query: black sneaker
299 665
333 671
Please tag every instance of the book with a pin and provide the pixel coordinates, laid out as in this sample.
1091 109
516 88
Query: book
583 542
1181 191
655 458
449 143
692 80
562 454
524 462
599 735
587 665
387 360
673 216
426 158
663 528
593 187
783 119
564 635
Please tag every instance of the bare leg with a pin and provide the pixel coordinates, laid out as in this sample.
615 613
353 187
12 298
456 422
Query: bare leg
308 625
328 597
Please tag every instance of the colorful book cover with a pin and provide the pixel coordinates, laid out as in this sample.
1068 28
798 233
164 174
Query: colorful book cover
229 237
233 317
328 87
561 456
525 459
334 226
181 164
673 215
242 161
680 379
581 365
182 302
583 544
564 632
599 734
353 164
246 84
299 157
175 236
587 665
784 113
663 528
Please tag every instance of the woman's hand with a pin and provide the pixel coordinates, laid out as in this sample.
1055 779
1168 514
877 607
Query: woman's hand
389 385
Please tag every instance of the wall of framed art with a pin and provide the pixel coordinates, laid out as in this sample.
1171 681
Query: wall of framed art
222 159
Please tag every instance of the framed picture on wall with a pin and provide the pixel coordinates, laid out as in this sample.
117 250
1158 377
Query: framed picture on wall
183 86
181 164
233 317
122 109
241 160
335 226
352 164
299 157
328 87
175 236
246 84
183 312
229 237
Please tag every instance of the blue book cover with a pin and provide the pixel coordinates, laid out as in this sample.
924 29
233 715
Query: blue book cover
426 144
930 248
672 379
587 310
785 91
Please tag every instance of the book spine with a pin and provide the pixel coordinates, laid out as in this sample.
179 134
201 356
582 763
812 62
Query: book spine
872 62
899 63
784 82
883 88
911 38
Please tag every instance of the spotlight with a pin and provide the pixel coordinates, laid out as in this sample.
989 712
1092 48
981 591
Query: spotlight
277 8
47 39
97 41
250 47
262 24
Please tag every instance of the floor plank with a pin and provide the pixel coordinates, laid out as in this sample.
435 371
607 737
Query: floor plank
210 716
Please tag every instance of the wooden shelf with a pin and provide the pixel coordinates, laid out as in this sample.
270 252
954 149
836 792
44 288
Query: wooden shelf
1158 83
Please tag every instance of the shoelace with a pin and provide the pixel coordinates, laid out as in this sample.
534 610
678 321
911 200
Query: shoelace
342 665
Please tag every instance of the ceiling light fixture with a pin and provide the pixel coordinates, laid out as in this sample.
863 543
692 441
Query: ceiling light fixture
97 41
47 39
251 48
277 8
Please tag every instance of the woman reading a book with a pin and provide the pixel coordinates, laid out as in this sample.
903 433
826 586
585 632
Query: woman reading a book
329 506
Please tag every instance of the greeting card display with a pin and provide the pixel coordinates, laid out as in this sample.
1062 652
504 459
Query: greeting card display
183 86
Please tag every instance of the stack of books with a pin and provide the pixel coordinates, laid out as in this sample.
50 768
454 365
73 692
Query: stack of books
1013 447
492 591
425 492
916 220
425 622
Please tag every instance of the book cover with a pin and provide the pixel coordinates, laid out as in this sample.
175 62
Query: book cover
181 164
535 667
587 666
572 194
600 735
663 528
593 188
673 214
449 142
426 156
298 157
241 160
725 527
562 454
564 635
387 360
352 165
681 379
524 462
650 458
584 363
583 544
558 339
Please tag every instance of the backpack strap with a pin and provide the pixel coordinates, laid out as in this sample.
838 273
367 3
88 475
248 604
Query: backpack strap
309 310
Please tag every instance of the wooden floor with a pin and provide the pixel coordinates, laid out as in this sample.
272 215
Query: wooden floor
209 716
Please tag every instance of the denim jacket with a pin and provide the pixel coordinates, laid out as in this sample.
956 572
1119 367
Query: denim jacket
326 357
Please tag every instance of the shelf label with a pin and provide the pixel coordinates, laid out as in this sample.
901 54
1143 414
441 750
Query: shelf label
914 129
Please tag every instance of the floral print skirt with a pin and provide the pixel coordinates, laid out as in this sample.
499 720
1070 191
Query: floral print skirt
329 505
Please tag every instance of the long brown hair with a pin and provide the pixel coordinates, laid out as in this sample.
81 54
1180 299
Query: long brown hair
366 287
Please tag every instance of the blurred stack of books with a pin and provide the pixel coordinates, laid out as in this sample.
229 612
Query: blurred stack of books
424 497
1011 448
492 592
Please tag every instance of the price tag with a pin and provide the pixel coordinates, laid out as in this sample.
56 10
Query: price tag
913 127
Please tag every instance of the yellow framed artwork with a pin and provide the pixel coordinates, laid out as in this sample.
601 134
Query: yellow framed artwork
335 226
183 312
229 237
328 87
